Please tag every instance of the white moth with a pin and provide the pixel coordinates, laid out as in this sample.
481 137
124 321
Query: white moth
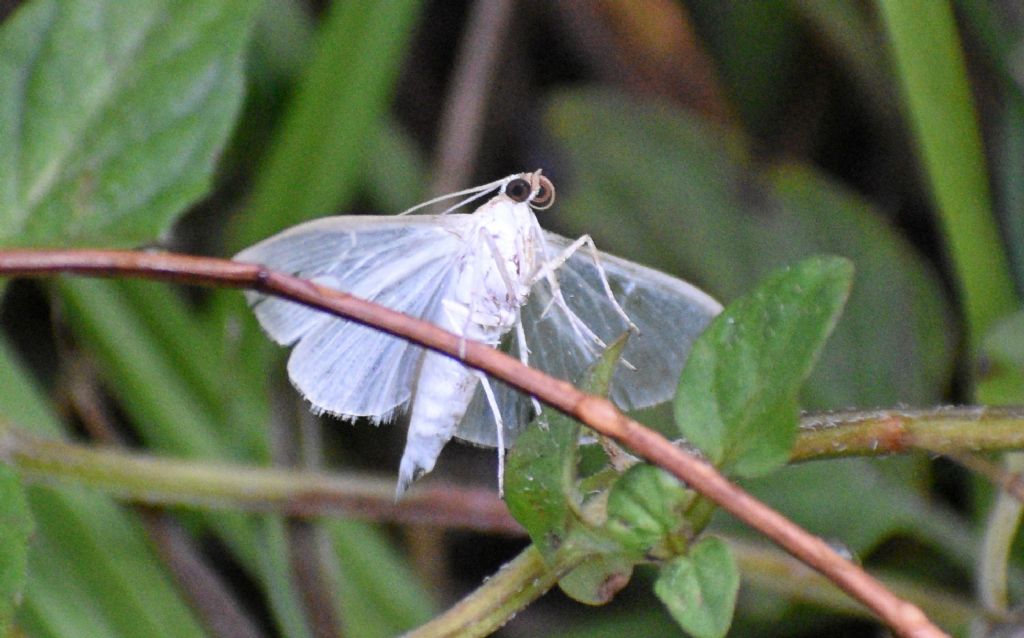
492 276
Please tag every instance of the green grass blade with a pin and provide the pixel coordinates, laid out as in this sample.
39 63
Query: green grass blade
110 553
169 414
379 594
317 158
931 68
161 394
199 354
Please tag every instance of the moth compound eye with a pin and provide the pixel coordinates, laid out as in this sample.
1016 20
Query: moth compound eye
545 196
518 189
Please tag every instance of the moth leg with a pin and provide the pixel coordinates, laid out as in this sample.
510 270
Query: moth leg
500 425
524 355
549 271
580 327
550 266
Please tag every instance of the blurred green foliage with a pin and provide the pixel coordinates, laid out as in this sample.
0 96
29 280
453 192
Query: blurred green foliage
801 128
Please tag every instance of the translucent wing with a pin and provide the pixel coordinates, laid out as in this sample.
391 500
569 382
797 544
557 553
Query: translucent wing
669 312
478 425
402 263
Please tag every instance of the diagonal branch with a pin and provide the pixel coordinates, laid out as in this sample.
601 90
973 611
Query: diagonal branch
597 412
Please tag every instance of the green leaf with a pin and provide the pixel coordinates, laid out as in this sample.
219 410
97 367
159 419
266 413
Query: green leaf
645 507
113 114
910 353
597 579
737 398
15 529
735 223
700 589
1001 379
540 474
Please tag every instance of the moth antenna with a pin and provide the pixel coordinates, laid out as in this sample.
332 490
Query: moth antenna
474 192
469 199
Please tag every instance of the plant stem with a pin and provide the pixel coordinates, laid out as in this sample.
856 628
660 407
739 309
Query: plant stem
942 430
164 481
189 483
519 582
527 578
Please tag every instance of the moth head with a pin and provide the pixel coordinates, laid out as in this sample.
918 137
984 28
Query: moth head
531 188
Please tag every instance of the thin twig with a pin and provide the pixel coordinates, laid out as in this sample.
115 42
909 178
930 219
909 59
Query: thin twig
207 593
462 121
307 541
945 430
185 483
304 494
597 412
1002 525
